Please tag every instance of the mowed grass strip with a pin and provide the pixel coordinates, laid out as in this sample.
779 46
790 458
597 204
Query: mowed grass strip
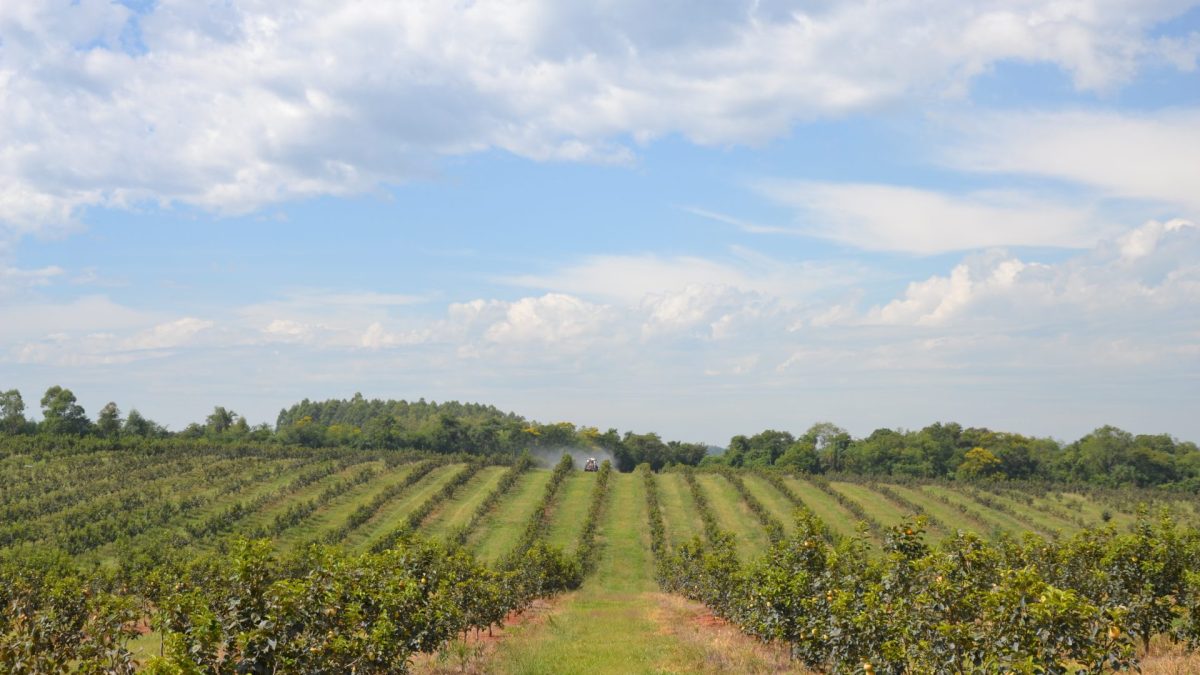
336 511
879 507
680 518
618 622
1042 519
249 495
948 515
570 510
998 519
834 515
264 517
458 511
499 532
605 626
394 512
776 503
734 516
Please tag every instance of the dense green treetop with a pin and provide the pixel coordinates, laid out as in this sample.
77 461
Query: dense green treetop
1107 456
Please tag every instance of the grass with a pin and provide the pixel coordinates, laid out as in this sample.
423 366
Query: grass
618 622
950 516
997 519
394 512
826 508
263 517
678 509
886 512
734 516
776 504
500 531
570 509
1042 519
333 514
460 509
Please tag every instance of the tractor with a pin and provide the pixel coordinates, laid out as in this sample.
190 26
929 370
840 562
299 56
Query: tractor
591 465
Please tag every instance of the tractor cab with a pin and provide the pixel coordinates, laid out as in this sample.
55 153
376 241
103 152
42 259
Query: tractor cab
591 465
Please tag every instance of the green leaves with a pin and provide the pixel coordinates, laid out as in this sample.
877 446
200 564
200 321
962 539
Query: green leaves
966 605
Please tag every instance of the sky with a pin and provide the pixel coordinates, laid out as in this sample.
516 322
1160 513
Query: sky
696 218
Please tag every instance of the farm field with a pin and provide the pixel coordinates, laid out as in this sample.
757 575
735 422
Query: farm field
110 508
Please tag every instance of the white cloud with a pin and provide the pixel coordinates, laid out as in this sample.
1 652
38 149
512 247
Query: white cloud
90 313
106 348
229 107
13 278
551 318
891 218
1149 156
178 333
1154 269
1106 335
630 279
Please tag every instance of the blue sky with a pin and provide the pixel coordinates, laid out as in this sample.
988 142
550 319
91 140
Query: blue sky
696 218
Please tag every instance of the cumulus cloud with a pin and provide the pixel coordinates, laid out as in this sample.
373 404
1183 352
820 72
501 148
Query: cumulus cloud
229 107
552 318
1153 269
168 335
993 325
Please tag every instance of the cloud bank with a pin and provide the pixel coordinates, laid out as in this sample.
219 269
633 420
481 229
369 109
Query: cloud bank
235 106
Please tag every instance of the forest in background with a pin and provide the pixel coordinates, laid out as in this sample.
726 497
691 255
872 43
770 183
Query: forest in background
1107 456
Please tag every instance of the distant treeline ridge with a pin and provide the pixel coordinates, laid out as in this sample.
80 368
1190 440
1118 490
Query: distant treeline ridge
1107 456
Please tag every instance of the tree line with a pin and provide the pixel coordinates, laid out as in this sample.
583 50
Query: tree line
1108 456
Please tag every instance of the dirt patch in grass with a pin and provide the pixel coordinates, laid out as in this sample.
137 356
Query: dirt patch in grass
725 649
469 655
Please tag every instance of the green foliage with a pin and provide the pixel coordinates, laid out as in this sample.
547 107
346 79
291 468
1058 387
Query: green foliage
773 527
325 611
586 550
1106 457
365 512
419 514
12 412
53 619
460 535
61 414
965 606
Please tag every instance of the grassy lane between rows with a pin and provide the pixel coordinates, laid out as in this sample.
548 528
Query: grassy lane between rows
886 512
459 510
998 520
330 516
680 519
734 516
570 510
1021 509
777 504
502 529
618 622
834 515
948 515
394 512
